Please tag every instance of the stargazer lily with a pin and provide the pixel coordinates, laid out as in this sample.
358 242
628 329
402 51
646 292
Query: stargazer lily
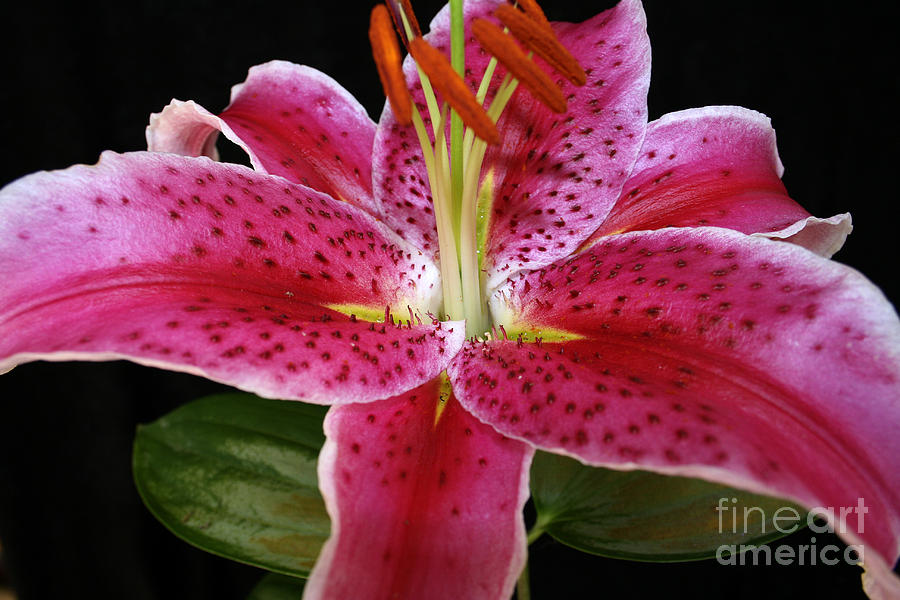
484 272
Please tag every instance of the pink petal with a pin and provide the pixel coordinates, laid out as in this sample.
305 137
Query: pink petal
420 508
552 185
213 269
707 353
292 121
716 166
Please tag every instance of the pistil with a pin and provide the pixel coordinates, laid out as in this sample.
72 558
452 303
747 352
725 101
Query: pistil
458 62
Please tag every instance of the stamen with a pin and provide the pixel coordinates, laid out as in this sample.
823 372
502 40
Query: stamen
454 89
386 51
399 10
534 12
541 40
510 56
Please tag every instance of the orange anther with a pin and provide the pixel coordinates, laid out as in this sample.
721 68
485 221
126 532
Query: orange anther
403 7
533 10
386 51
517 62
542 41
453 89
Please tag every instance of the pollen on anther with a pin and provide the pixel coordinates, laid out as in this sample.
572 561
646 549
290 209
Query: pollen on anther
542 41
510 56
534 12
454 90
400 9
386 52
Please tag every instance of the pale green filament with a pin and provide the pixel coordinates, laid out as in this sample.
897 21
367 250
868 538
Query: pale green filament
454 174
453 306
430 99
476 308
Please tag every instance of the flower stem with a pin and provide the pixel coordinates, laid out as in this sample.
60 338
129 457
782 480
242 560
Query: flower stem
536 532
523 585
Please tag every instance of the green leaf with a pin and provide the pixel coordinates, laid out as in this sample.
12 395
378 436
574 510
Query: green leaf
277 587
235 475
638 515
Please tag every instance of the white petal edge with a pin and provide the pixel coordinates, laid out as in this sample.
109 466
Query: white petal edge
823 236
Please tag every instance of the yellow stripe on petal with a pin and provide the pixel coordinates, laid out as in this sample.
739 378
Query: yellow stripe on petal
360 311
446 392
530 333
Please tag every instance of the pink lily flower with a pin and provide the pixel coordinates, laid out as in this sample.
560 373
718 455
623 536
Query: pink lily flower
652 314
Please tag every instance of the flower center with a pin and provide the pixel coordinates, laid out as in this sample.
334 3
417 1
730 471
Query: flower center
460 190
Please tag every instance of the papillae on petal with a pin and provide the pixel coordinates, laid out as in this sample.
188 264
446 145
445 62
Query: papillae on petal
292 121
425 502
213 269
707 353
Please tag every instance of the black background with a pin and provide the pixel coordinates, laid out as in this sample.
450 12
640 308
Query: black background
81 78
